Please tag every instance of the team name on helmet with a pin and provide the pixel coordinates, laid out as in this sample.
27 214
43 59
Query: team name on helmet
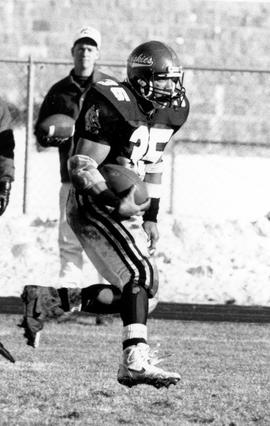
141 60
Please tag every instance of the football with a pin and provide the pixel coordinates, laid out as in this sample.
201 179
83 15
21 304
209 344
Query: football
120 179
58 125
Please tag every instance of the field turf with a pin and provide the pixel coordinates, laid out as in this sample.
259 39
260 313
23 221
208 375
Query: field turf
71 378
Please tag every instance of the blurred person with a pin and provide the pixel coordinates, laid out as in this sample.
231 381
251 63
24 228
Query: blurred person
7 146
66 97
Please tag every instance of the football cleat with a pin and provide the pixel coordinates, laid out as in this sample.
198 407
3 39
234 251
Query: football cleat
36 340
40 304
139 367
32 331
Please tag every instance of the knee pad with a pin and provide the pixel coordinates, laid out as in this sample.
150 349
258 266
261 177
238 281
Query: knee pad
101 298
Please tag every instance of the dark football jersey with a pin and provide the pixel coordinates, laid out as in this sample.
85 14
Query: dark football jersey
112 116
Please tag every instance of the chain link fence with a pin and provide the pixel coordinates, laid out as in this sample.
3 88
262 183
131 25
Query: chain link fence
221 152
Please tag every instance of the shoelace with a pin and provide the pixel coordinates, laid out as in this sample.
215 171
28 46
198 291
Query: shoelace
154 357
151 355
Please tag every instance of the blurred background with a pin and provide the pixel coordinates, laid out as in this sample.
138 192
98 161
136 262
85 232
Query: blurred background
217 165
223 47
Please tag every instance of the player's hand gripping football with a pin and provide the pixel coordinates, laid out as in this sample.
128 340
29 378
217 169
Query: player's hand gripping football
128 207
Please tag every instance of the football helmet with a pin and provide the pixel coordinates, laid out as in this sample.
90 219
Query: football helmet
154 73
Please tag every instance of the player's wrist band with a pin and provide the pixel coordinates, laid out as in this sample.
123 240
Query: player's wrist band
151 214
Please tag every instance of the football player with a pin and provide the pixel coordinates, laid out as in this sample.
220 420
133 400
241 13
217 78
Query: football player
7 146
128 123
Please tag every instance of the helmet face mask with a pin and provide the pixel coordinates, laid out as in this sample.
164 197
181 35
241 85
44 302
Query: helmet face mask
155 75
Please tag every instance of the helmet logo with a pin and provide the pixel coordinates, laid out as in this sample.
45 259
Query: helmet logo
141 60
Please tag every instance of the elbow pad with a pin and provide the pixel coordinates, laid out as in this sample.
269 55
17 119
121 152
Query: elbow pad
85 176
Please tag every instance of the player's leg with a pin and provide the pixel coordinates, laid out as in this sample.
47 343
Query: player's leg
71 261
119 251
139 364
70 250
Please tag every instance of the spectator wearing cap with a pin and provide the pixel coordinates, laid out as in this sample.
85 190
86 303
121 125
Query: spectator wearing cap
66 97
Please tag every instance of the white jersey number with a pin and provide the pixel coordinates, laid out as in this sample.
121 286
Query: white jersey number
145 143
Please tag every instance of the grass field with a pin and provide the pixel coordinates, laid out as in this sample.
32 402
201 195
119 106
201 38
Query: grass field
71 378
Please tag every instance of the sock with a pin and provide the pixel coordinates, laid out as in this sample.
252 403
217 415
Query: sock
134 334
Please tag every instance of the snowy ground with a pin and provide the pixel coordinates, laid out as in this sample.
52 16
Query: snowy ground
199 261
214 248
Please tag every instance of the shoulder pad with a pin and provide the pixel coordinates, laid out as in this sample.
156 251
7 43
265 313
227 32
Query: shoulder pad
120 97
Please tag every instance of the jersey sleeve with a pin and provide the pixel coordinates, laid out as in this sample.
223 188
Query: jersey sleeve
98 119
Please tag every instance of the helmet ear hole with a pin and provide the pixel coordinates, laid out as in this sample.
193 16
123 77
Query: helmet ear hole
146 88
142 83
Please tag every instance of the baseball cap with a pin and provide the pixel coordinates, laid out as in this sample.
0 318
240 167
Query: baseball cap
88 32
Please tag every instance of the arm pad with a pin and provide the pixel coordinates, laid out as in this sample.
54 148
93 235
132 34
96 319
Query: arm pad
84 174
87 179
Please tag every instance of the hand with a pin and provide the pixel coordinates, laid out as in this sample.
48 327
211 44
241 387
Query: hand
128 207
151 230
50 141
5 187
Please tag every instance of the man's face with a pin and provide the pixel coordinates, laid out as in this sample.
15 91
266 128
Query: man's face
84 56
163 86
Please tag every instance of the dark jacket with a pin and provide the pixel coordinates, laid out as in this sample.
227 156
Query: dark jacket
66 97
6 144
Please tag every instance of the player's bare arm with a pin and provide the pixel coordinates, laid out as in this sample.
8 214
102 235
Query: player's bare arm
97 151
